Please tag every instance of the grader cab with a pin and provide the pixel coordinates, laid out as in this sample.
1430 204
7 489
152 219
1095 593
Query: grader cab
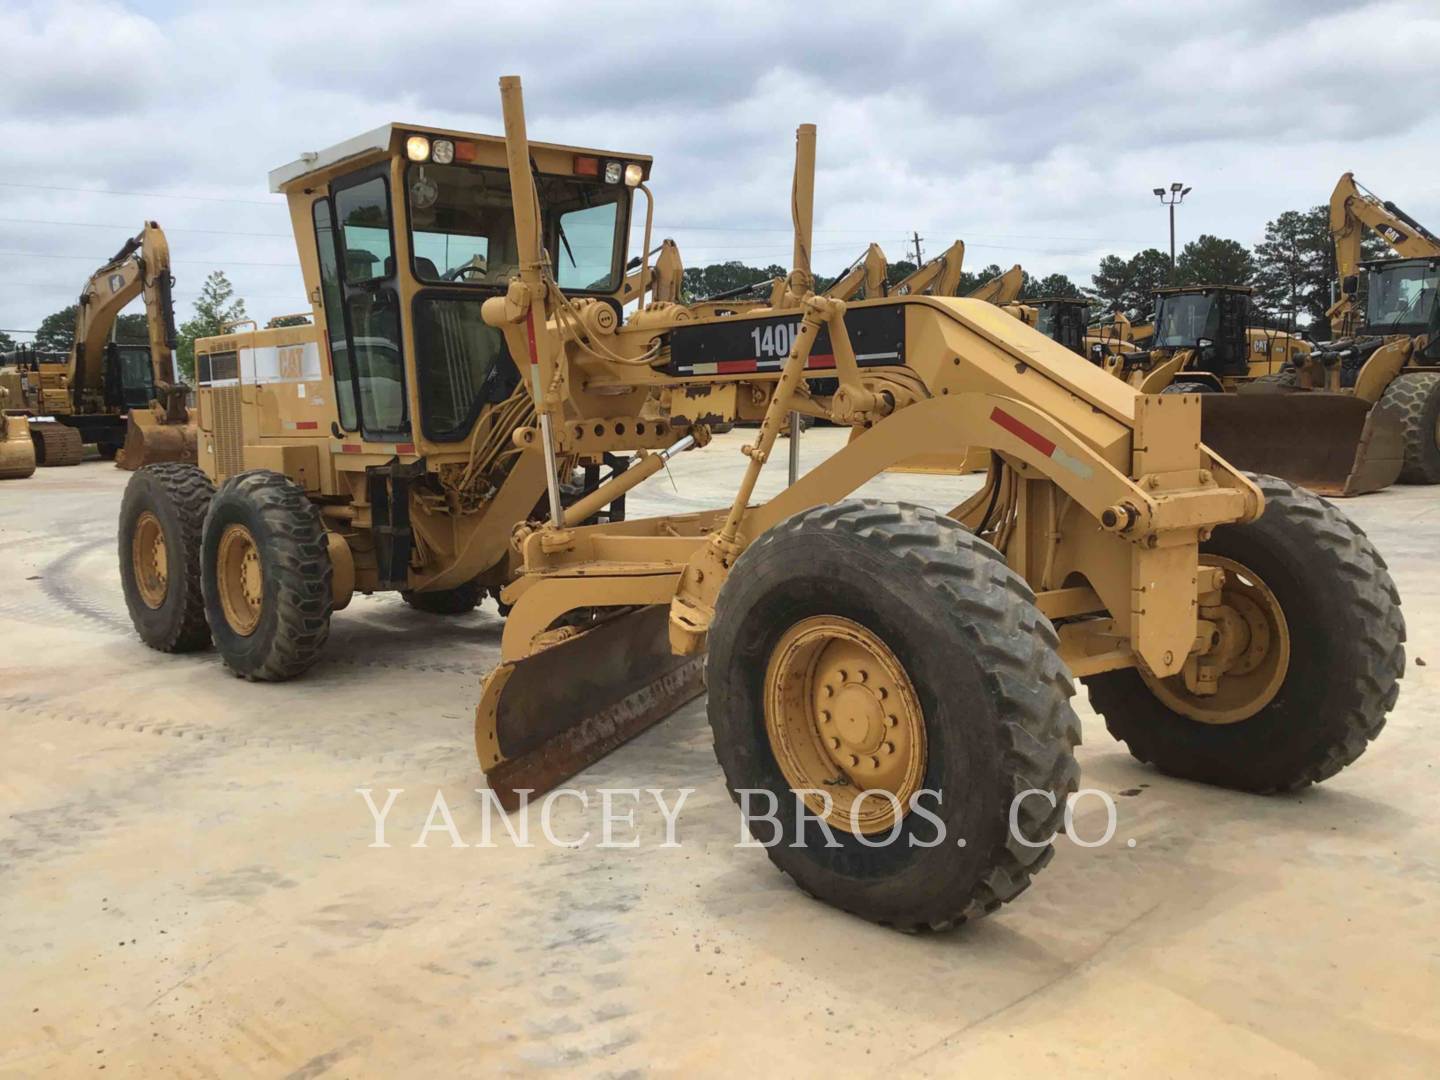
862 659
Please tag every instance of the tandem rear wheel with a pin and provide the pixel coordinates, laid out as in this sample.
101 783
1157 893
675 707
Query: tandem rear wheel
266 577
162 515
886 663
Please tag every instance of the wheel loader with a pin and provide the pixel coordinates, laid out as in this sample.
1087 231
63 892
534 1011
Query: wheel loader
864 660
1060 318
123 398
1205 341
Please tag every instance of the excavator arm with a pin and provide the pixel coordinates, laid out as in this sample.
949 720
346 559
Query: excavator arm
867 275
940 276
1002 290
1352 209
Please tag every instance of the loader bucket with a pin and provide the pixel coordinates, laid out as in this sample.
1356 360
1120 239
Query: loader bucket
17 449
548 716
1333 444
149 440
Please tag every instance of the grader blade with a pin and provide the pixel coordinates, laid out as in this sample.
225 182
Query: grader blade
1333 444
547 717
149 440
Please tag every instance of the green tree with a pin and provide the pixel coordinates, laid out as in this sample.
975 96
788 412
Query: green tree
57 330
1129 285
287 320
1295 265
1051 285
6 342
216 305
1211 260
717 278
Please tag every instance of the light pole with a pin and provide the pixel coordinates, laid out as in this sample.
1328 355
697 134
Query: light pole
1172 199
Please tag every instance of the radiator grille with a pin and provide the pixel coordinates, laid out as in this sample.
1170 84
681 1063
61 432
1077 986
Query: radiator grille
228 460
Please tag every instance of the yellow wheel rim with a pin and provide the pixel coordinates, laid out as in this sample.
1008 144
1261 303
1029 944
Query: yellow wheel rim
150 560
843 718
239 579
1253 652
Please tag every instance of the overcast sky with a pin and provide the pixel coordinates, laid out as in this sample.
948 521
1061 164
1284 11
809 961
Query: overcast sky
1035 132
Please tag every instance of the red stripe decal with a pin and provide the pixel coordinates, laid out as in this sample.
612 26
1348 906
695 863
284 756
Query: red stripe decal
821 361
350 448
1022 432
405 448
306 425
730 367
530 334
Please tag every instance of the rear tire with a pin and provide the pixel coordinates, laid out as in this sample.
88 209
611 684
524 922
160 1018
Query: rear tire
991 690
1277 380
1346 655
1190 386
162 514
1415 397
457 601
266 575
107 451
56 444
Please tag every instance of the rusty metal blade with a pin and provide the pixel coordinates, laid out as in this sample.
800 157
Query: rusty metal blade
1333 444
566 707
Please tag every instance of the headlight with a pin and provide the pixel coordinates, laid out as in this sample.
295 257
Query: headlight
442 152
417 148
633 175
613 171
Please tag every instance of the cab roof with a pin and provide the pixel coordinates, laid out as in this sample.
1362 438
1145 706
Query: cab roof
388 139
1178 290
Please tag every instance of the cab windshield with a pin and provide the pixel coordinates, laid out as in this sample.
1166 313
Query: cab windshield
462 227
1401 295
1047 317
1181 321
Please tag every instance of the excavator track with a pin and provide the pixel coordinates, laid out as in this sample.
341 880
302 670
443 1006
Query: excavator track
56 444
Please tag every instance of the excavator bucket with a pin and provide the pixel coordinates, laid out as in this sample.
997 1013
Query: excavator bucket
1333 444
17 449
546 717
150 440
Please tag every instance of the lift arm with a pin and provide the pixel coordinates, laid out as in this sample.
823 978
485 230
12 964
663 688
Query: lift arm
867 275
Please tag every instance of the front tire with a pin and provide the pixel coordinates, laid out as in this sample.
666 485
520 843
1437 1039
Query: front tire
1415 397
266 576
162 516
1345 638
943 645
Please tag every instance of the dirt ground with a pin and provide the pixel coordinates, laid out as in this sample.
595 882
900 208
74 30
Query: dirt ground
187 884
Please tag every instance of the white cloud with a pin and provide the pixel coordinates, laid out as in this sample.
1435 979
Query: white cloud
1033 132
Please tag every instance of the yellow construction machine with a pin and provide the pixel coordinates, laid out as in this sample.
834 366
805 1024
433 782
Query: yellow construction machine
1060 318
1388 355
17 450
900 676
1205 341
124 398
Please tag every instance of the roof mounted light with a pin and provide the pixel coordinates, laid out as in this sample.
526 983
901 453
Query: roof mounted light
442 151
417 148
613 172
633 174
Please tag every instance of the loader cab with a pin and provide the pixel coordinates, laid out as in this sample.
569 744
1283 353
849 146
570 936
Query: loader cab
1400 296
1063 319
405 232
1210 319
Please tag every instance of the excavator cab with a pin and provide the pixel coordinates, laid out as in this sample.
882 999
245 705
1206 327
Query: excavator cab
129 379
1210 319
1401 296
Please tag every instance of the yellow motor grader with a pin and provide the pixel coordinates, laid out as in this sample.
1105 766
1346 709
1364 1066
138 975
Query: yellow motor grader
864 661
